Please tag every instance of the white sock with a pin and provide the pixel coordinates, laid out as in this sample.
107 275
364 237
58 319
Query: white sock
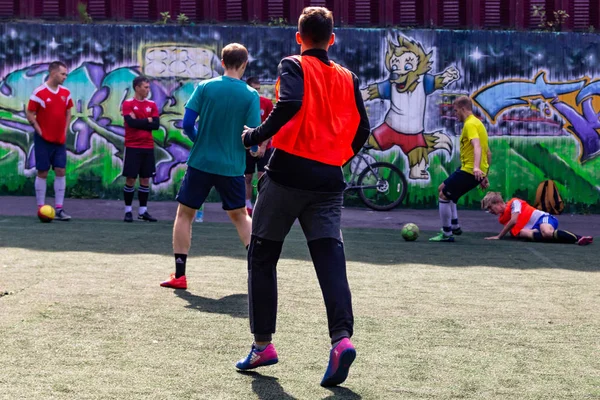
127 209
40 191
446 215
454 220
60 183
142 210
249 203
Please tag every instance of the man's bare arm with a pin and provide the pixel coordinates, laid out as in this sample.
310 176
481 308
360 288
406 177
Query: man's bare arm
31 117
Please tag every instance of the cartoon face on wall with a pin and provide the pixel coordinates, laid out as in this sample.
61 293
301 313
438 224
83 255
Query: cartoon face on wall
406 88
406 62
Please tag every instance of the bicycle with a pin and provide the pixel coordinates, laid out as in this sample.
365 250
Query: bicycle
381 185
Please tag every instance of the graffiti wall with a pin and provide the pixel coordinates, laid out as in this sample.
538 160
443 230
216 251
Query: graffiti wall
538 95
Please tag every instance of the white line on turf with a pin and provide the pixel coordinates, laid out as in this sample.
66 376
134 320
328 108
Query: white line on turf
542 257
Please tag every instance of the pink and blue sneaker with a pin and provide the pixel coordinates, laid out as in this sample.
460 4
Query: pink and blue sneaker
340 359
258 358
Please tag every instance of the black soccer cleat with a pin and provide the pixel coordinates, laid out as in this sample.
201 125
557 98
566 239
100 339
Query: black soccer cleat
457 231
147 217
128 217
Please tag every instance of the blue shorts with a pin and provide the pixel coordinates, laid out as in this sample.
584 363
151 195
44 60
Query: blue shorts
545 219
48 154
196 186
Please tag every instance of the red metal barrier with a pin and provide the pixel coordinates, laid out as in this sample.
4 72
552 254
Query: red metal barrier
489 14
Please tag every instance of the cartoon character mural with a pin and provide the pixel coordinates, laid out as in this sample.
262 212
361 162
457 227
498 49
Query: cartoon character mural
407 88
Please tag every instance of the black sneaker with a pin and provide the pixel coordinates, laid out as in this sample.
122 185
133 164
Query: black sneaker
61 215
128 217
147 217
457 231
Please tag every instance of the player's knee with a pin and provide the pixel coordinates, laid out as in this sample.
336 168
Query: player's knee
185 212
130 181
238 215
143 181
42 174
248 179
547 233
59 172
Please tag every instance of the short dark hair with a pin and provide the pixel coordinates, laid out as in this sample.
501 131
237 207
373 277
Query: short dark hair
234 55
139 80
253 80
54 65
316 25
464 102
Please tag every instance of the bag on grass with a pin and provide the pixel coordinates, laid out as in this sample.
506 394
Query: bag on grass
548 199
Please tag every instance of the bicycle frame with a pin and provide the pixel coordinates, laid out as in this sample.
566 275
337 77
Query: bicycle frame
351 185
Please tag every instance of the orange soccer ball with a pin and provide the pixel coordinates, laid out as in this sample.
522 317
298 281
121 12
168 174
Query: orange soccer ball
46 213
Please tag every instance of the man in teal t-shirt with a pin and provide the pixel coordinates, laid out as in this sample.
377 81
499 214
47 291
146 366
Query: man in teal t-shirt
222 106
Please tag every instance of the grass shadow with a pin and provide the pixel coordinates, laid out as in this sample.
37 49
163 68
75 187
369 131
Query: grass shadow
342 393
369 246
235 305
267 387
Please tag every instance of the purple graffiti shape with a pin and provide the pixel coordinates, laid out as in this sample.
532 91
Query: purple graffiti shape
83 134
584 126
163 169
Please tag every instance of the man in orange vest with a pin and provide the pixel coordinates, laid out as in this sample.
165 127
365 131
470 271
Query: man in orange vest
526 222
318 124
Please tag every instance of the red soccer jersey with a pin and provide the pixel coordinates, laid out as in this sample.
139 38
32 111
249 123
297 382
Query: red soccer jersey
51 111
139 138
266 106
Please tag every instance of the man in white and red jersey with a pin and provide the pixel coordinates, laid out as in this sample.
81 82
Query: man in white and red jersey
526 222
256 162
49 112
141 118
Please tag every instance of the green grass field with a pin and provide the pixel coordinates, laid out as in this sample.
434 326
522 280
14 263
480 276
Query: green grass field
84 317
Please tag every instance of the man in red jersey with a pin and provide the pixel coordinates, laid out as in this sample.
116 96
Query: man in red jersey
141 118
49 111
257 162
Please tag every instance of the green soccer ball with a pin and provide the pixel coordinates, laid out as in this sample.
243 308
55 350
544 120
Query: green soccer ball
410 232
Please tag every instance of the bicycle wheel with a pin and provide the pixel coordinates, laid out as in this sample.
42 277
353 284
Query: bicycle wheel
382 186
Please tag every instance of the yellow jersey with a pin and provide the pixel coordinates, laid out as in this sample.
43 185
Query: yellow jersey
473 129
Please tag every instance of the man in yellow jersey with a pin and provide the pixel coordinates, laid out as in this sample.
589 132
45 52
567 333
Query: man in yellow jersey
475 159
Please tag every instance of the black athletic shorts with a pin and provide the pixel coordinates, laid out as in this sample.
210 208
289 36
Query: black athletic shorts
458 184
139 162
254 164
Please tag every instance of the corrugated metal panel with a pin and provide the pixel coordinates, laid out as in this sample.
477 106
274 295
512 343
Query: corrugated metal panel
137 10
491 13
316 3
273 9
8 8
192 8
50 8
495 13
580 14
408 12
233 10
363 12
98 9
452 13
